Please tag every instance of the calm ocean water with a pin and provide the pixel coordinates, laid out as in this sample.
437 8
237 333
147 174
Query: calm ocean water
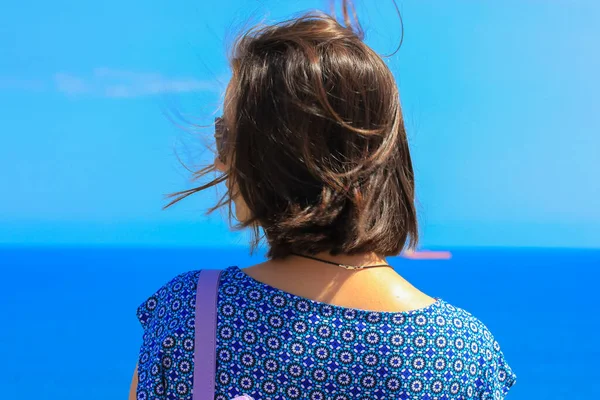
69 331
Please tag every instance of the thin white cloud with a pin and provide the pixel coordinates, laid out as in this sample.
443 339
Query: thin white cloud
106 82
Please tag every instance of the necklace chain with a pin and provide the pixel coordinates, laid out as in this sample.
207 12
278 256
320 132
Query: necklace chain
345 266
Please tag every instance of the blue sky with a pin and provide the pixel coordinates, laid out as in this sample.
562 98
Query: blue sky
500 100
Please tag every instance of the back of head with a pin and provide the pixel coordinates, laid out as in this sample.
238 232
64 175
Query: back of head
316 146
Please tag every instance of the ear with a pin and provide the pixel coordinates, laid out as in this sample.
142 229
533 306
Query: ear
219 165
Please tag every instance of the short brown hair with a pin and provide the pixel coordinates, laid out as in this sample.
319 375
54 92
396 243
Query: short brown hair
316 144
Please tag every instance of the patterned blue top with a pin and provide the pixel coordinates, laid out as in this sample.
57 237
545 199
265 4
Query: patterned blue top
275 345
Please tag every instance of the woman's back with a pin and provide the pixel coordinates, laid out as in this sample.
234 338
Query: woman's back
314 154
272 344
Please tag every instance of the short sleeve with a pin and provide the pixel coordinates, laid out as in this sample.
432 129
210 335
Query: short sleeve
156 307
167 320
147 312
499 377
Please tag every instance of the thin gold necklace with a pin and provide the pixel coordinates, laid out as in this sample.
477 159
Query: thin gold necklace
345 266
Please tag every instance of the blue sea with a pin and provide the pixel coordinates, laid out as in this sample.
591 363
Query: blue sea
69 330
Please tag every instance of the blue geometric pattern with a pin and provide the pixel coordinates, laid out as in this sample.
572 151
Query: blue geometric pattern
275 345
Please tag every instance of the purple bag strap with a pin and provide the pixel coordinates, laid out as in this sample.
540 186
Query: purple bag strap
205 337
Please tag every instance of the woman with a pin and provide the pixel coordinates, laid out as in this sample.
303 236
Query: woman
313 149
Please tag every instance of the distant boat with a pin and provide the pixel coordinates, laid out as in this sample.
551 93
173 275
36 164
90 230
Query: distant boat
426 255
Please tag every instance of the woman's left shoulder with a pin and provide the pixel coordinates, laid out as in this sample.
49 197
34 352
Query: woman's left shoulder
178 293
176 297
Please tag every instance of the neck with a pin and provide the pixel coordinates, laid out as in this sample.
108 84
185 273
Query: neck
377 289
362 259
